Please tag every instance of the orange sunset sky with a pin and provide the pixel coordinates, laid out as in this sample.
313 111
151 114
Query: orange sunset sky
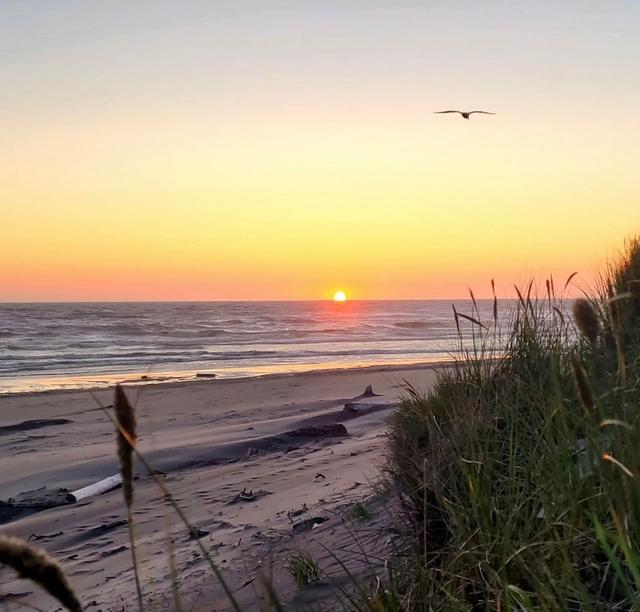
285 150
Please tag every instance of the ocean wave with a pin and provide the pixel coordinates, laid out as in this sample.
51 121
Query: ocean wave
421 324
84 362
46 339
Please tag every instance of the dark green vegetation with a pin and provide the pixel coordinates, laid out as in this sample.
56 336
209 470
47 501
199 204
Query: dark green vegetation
303 569
519 471
359 512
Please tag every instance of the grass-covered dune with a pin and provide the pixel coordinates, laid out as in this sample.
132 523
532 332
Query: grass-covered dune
519 471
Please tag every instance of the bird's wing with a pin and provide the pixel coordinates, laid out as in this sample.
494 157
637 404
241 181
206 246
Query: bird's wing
482 112
449 111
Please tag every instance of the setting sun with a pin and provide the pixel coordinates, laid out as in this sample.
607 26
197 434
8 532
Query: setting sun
339 296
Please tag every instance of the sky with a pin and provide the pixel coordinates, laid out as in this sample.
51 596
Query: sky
288 149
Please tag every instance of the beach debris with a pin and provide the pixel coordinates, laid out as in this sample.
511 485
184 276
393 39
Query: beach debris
320 431
357 407
369 392
205 375
222 524
194 560
319 476
42 497
254 452
33 424
308 523
45 536
248 496
195 533
244 496
299 512
97 488
31 501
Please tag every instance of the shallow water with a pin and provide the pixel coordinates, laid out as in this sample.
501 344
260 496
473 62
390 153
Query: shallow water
81 345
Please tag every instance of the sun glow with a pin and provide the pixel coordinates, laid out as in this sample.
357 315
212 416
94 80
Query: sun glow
339 296
121 185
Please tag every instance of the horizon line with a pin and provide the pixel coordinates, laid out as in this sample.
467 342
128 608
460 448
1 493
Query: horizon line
257 301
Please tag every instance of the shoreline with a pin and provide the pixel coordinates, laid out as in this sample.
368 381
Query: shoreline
207 379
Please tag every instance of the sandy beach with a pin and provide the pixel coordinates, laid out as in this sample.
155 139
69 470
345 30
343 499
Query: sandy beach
277 438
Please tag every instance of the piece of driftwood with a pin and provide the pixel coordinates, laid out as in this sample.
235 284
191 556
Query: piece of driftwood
357 407
33 424
97 488
38 498
319 431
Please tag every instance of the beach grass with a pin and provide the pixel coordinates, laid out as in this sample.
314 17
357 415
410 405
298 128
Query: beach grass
303 568
519 471
359 512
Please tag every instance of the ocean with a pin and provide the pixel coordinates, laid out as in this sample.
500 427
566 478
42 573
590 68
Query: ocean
84 345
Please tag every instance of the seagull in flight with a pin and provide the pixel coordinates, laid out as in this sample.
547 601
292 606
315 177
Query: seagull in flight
466 115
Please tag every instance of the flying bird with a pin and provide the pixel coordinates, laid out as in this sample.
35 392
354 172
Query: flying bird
466 115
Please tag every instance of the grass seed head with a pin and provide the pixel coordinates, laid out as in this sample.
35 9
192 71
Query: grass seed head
126 418
582 383
587 320
35 565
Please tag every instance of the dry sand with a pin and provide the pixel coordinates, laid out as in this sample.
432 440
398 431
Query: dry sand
211 439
